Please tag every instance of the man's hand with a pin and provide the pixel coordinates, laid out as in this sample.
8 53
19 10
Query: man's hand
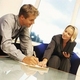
31 60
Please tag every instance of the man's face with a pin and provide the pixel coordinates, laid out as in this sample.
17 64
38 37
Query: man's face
28 21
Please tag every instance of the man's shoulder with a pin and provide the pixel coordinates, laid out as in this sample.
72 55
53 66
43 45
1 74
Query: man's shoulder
8 16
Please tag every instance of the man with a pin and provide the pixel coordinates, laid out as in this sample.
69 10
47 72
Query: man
14 26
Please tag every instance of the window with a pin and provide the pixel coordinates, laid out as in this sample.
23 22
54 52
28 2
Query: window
54 16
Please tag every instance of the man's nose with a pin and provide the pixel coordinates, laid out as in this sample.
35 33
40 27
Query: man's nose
33 22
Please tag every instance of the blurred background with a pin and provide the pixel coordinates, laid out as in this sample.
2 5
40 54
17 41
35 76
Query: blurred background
54 16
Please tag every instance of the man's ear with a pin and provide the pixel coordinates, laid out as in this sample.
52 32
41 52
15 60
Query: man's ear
22 17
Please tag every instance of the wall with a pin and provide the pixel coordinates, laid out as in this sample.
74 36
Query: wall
9 6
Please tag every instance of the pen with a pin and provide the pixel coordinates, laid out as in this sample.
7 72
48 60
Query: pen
34 53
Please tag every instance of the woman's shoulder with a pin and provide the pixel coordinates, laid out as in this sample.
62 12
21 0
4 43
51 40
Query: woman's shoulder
57 36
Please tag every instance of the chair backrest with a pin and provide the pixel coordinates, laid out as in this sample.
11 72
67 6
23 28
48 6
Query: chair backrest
75 61
78 71
78 74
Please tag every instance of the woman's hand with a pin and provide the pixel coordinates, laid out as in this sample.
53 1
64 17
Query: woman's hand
67 55
43 63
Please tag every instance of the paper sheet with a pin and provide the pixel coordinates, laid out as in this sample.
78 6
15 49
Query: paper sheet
36 68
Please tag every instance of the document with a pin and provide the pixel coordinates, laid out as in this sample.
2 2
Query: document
36 68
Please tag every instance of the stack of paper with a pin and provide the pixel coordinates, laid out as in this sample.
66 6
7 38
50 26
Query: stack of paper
36 68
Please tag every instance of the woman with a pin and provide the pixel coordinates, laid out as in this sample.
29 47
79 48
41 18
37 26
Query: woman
57 55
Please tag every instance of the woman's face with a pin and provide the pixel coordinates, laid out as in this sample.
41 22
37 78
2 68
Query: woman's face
67 34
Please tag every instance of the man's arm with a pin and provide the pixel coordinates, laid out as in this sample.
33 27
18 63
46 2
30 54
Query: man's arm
6 43
26 43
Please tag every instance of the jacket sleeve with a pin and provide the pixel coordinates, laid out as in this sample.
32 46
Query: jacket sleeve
26 43
71 47
48 52
6 43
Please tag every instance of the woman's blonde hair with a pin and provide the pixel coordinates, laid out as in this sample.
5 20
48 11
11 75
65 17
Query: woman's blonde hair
75 32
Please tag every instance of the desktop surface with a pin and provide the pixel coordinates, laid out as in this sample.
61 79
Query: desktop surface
14 70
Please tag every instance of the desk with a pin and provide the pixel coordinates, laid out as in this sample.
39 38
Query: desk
13 70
